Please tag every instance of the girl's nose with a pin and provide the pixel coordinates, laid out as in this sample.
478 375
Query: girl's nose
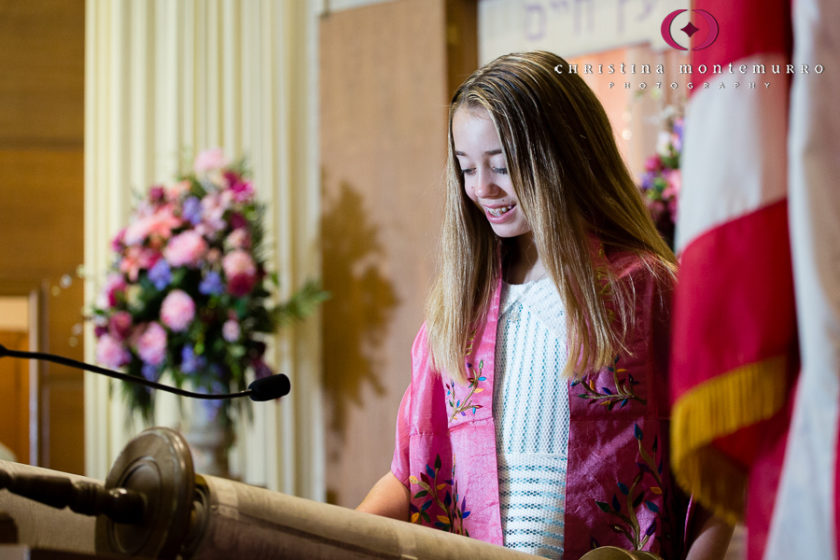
484 186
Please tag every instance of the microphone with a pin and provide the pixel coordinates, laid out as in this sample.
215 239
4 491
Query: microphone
264 389
268 388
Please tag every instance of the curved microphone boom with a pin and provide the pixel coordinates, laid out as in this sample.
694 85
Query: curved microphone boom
264 389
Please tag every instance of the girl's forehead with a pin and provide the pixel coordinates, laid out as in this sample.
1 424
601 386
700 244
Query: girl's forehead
464 112
474 129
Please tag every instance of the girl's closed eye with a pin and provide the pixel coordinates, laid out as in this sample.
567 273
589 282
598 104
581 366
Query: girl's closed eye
500 170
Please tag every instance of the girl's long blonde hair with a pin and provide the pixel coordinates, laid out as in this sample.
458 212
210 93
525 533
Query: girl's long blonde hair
571 184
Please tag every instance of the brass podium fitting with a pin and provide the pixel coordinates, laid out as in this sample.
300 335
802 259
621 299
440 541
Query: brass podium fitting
157 465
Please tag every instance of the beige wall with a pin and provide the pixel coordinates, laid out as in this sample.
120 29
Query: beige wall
41 154
385 83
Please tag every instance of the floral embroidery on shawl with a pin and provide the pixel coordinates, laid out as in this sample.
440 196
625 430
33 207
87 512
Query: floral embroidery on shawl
440 500
460 406
620 394
645 488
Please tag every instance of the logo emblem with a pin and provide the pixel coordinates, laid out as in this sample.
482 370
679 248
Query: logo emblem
710 29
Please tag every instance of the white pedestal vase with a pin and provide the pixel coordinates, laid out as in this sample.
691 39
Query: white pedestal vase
210 438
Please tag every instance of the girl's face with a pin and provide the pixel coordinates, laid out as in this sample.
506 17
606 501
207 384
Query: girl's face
484 167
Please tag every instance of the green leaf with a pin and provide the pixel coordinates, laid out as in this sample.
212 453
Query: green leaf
302 304
604 506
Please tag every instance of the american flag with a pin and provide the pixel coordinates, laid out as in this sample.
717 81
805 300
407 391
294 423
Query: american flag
756 343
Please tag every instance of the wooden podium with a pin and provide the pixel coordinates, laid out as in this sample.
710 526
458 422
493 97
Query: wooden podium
197 516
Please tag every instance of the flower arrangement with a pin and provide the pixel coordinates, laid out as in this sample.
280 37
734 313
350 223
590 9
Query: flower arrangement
662 179
189 293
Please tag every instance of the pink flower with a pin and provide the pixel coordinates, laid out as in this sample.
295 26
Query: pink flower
653 163
674 179
119 326
656 208
177 310
110 352
151 344
137 259
237 220
118 242
114 285
242 190
238 239
213 208
209 160
231 330
159 223
176 191
157 194
185 249
673 207
240 272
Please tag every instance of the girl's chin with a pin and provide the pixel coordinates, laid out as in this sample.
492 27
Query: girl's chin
510 231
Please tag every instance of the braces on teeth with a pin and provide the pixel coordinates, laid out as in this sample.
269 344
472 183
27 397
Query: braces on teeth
498 211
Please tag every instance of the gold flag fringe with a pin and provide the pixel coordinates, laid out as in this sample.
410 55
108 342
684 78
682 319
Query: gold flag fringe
716 408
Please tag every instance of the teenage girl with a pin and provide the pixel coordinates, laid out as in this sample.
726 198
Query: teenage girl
537 414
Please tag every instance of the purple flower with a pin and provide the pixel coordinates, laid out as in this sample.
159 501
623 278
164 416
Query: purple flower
150 372
160 274
190 362
213 406
191 210
678 128
211 284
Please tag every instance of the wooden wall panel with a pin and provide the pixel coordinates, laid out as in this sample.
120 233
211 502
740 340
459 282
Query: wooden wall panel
41 197
385 82
14 386
41 200
42 62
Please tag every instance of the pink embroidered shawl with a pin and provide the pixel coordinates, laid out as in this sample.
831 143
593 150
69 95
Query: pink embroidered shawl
618 488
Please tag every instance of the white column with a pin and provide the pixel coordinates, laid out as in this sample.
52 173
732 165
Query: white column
166 78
